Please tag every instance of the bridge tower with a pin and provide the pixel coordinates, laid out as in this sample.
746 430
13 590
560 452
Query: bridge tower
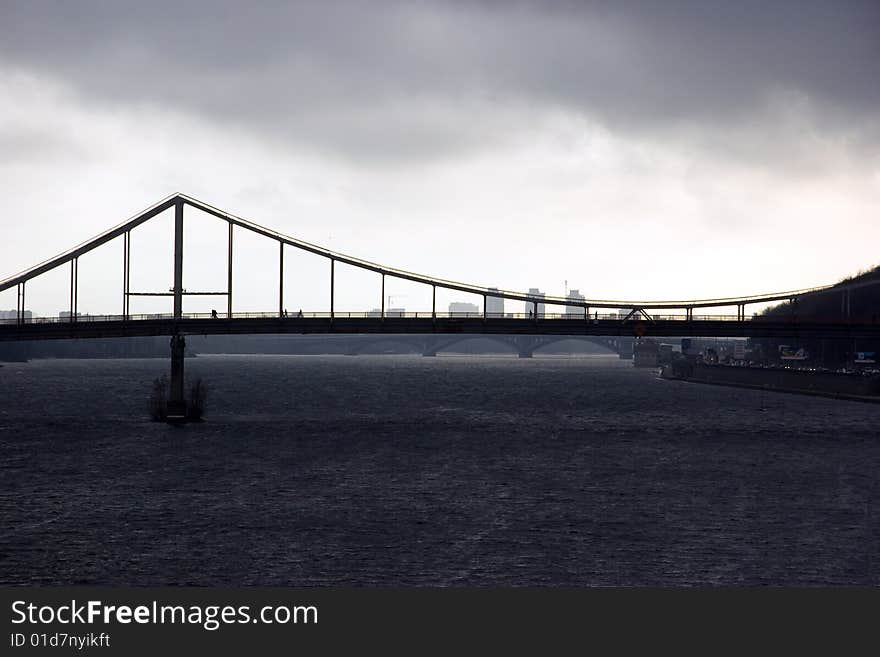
177 401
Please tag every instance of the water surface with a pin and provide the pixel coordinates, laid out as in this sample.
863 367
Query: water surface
402 470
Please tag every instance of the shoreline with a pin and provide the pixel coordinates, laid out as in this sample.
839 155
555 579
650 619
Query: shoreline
869 399
816 384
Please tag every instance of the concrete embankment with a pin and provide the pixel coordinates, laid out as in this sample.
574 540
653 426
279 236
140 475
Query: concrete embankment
826 384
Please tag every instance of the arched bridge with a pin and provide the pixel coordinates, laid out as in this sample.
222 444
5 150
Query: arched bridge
432 344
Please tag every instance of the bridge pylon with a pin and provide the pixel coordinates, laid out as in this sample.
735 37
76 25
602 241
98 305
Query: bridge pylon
177 410
525 346
431 344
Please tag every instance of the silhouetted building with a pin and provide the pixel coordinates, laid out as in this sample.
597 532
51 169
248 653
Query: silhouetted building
575 295
460 307
646 353
389 312
494 305
13 314
530 307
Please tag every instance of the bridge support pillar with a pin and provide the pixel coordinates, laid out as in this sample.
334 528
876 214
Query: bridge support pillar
429 347
525 346
176 400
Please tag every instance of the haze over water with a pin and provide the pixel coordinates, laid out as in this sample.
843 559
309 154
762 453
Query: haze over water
403 470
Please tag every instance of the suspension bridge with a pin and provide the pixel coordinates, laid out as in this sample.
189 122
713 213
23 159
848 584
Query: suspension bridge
720 317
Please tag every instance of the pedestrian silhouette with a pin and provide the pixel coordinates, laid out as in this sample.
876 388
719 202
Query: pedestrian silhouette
213 314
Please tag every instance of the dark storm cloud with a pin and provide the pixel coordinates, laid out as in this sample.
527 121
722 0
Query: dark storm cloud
415 80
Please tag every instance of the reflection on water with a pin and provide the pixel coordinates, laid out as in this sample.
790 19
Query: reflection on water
434 471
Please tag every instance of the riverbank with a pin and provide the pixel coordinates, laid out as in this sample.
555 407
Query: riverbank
834 385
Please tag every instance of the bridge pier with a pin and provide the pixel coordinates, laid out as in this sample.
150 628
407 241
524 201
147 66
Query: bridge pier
525 346
429 346
176 399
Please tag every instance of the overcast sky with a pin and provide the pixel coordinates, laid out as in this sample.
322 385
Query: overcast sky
633 149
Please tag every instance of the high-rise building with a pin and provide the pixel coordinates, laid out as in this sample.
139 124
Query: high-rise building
494 305
461 308
389 312
530 306
575 295
13 314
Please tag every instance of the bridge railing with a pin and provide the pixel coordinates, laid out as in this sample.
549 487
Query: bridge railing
592 317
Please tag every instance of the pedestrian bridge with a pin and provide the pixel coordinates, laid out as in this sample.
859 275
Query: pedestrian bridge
718 317
728 314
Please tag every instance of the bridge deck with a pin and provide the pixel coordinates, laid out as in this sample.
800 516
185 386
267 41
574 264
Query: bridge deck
107 328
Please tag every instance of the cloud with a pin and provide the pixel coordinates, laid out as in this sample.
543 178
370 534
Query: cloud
410 82
621 147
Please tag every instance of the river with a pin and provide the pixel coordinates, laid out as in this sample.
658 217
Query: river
403 470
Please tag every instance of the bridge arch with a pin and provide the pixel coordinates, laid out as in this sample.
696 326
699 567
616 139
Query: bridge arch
432 344
608 344
523 345
358 346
